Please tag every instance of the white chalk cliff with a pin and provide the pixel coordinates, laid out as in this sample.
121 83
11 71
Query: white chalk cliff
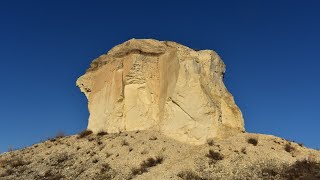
162 86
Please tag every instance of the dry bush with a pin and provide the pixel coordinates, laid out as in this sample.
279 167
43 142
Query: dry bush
150 162
61 158
105 167
189 175
302 170
214 155
289 148
138 171
210 142
102 133
52 176
84 133
146 164
8 172
14 162
253 141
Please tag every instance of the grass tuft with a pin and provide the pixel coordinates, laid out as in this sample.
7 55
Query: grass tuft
84 133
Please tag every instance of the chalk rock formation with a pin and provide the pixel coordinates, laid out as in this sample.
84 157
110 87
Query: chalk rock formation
163 86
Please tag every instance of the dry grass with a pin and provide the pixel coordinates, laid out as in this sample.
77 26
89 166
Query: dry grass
102 133
84 133
189 175
302 170
214 155
146 164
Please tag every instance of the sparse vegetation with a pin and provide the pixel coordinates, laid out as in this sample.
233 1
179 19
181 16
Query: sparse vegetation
102 133
52 176
14 162
269 172
146 164
105 167
253 141
99 142
189 175
210 142
61 158
289 148
214 156
302 170
7 172
105 172
84 133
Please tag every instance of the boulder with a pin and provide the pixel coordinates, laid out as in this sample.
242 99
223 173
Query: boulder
145 84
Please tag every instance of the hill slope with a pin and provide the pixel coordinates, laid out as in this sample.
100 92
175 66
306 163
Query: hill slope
150 155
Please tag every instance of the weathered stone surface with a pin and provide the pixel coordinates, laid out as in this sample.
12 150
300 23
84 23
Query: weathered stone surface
161 85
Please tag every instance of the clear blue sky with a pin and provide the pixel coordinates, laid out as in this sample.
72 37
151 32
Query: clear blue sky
271 49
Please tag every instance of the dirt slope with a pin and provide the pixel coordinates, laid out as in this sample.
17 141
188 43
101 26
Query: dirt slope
150 155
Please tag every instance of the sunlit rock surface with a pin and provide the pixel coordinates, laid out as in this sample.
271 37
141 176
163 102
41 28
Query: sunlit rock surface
162 86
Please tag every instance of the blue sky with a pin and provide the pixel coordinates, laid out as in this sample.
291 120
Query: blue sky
271 49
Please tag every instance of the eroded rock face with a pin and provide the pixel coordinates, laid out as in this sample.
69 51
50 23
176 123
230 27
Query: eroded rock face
160 85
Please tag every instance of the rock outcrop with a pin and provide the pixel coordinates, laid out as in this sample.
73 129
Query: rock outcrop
163 86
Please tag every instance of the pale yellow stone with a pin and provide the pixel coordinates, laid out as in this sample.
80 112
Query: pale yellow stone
163 86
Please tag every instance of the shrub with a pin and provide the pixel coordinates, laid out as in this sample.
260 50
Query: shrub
99 143
150 162
302 170
216 156
189 175
146 164
253 141
210 142
289 148
102 133
14 162
84 133
138 171
105 167
269 171
8 172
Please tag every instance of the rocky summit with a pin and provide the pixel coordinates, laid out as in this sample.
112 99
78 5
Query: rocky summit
145 84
